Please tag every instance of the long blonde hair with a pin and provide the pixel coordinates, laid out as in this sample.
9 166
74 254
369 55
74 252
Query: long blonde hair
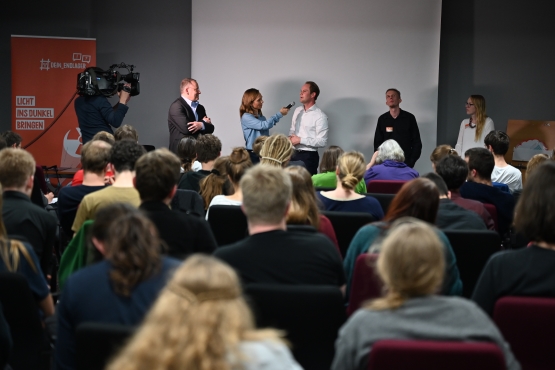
11 250
303 208
197 322
411 263
351 169
276 151
480 104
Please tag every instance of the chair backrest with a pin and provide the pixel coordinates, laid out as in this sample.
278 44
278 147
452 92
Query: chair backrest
228 224
22 315
96 343
493 213
188 201
302 228
384 186
501 186
424 355
366 282
472 250
346 225
528 325
384 199
310 315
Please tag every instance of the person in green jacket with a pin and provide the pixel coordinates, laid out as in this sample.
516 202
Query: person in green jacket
327 178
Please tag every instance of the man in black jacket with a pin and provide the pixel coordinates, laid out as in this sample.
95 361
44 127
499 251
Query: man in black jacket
186 116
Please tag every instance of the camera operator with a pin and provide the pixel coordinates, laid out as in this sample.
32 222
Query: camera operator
95 113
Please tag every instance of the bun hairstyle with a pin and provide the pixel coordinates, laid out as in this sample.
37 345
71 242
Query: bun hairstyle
216 183
351 167
276 151
239 161
442 151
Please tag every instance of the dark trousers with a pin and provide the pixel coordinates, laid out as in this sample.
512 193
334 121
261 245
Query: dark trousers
309 158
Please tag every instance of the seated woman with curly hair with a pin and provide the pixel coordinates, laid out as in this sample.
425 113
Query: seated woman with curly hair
201 321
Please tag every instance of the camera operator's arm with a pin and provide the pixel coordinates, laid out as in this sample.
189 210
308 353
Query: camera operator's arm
112 115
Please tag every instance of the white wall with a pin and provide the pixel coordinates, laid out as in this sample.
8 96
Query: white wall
353 49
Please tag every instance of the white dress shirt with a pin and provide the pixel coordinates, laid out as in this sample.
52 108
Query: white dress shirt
311 126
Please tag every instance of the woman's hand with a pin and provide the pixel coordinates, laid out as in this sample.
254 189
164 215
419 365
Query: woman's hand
284 111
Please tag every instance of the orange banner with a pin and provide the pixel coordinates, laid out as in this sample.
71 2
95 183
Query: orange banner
44 80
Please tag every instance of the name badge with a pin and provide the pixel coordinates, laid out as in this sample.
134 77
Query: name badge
389 129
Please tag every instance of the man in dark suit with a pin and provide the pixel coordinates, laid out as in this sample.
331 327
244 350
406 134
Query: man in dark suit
184 117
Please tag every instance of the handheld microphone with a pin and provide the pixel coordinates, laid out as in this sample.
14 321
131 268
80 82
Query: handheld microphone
290 105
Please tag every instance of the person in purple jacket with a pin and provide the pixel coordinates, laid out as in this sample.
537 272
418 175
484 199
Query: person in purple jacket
388 164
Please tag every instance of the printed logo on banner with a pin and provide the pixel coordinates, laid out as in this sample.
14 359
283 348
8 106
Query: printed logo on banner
76 57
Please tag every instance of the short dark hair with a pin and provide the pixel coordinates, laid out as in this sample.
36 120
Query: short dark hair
124 154
156 173
535 210
481 160
12 138
126 132
453 170
393 89
438 180
208 148
95 156
3 143
313 88
499 142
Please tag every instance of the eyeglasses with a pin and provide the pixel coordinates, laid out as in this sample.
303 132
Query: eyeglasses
468 104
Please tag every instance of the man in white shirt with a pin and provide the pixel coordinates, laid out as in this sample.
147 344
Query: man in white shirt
497 142
309 128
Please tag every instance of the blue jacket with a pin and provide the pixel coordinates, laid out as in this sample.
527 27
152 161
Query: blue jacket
254 127
390 170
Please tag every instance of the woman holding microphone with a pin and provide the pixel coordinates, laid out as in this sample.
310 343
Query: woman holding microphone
253 122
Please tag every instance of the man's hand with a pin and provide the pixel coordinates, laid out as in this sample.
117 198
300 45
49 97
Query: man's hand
372 161
194 126
207 120
124 96
294 139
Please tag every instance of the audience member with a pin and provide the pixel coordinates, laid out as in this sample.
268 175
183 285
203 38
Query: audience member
257 147
451 216
387 163
109 177
534 162
95 156
13 139
237 164
479 187
3 144
418 198
21 217
440 152
123 156
201 321
126 132
412 266
187 153
276 151
208 148
118 290
156 180
349 172
19 257
497 142
304 208
327 178
271 254
454 171
527 271
5 335
216 183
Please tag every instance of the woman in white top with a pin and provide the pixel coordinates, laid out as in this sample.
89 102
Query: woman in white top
474 129
201 321
236 165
